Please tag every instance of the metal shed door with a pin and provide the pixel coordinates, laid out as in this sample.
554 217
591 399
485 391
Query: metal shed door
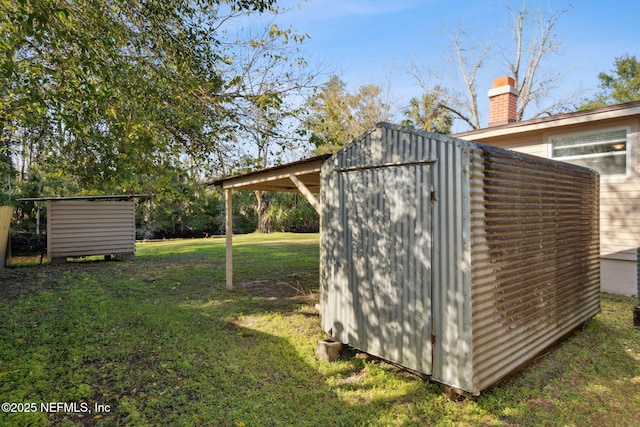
388 221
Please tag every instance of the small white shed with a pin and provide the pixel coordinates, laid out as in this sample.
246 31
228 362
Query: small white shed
90 225
458 260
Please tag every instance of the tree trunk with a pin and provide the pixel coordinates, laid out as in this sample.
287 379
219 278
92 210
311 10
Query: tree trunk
264 222
38 221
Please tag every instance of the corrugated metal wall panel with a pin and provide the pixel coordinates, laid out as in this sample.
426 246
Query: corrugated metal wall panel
451 264
81 228
376 241
514 262
535 257
355 202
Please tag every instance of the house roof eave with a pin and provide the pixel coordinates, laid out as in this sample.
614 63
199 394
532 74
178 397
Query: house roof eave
558 120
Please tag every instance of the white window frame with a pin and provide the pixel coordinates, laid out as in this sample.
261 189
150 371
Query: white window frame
629 148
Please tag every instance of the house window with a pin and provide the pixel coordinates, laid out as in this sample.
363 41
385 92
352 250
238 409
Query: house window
605 151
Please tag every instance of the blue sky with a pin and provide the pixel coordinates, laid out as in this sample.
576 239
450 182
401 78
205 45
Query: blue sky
376 41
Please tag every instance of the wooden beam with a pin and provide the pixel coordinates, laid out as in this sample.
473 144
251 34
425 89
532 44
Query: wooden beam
229 237
305 192
288 188
274 174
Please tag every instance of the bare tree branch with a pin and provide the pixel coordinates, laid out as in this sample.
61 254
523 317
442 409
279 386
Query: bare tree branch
533 40
530 49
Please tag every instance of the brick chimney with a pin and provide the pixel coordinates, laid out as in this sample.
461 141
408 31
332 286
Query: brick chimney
503 101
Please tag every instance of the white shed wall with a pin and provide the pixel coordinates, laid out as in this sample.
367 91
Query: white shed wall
83 228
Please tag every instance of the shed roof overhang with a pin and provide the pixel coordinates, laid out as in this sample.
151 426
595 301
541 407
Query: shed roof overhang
279 178
302 176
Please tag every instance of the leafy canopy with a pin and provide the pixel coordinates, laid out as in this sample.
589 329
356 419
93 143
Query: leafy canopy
111 91
622 85
337 116
427 113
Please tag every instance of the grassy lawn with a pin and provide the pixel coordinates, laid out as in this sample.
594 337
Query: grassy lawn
159 341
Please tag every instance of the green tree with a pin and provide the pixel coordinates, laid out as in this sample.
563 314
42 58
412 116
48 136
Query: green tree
6 176
291 212
120 86
622 85
427 113
123 96
329 115
336 116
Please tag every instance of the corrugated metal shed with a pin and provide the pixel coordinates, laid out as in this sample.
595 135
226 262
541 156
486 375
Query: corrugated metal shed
83 228
91 225
455 259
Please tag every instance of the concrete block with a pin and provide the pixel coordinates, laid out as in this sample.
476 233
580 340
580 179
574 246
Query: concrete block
328 350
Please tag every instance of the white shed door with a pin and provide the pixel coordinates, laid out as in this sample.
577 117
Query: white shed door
388 221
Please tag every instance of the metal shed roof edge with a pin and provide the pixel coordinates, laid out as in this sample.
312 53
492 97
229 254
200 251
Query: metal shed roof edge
91 198
220 182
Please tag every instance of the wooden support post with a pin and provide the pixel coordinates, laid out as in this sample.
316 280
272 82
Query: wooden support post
229 237
6 212
305 192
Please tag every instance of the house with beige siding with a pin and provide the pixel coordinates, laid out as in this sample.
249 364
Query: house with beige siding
604 139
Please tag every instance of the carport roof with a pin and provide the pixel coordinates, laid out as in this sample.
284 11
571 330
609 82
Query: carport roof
278 178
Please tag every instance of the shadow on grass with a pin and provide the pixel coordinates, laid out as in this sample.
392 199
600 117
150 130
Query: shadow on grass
272 376
583 380
159 344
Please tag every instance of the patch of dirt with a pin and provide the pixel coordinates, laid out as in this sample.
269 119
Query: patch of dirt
16 282
357 377
277 290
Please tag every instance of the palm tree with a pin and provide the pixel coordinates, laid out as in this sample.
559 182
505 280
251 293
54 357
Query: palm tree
428 113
